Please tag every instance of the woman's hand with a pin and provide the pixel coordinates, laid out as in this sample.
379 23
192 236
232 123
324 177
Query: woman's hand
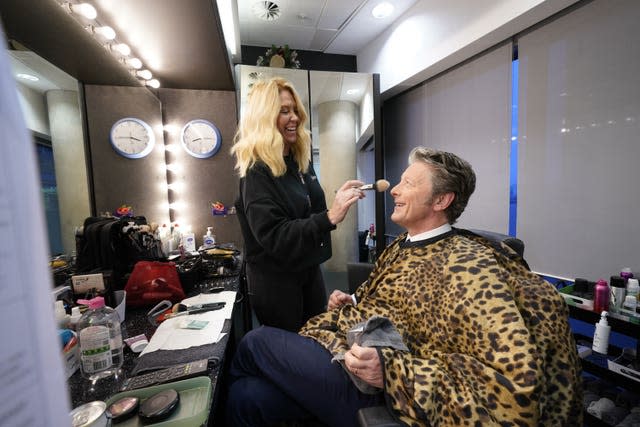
346 196
338 299
364 363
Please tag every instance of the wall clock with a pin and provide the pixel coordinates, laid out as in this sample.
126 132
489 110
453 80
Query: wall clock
201 138
132 138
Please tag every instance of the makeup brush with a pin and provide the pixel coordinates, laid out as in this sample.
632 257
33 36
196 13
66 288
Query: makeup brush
380 185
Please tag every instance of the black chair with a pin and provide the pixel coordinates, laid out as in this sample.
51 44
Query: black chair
379 416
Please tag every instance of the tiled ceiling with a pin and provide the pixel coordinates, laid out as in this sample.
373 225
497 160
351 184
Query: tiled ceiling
329 26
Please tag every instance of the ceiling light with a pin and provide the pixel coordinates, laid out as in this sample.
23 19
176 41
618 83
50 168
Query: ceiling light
266 10
154 83
29 77
145 74
84 9
382 10
225 7
352 91
105 31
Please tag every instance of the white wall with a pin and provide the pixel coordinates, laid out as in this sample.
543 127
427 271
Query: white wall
434 35
34 108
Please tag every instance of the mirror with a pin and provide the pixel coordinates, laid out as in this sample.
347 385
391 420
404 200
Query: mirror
49 99
341 112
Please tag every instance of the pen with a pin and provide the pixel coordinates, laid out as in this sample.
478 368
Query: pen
202 308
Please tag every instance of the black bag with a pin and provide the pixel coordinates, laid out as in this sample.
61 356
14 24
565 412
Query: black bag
111 244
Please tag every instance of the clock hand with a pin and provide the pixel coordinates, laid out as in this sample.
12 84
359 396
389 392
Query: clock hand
197 139
133 137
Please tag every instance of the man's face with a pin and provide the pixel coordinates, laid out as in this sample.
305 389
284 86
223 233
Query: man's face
414 209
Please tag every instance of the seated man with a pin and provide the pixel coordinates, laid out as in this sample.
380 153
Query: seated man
488 341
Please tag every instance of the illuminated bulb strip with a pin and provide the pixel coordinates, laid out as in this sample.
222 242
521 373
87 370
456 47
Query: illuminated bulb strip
121 50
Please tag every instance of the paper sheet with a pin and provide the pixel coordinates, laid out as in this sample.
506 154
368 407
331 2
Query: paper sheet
31 364
171 336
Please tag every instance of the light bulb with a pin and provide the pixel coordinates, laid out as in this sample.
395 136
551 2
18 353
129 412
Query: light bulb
154 83
121 48
105 32
145 74
84 9
132 62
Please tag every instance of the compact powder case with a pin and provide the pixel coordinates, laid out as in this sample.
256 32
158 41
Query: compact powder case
159 406
123 409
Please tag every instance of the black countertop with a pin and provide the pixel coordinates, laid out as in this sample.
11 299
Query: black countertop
82 390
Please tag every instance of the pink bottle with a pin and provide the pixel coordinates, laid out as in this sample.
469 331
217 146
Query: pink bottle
601 295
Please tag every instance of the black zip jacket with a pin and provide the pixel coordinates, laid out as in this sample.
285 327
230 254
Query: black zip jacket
284 220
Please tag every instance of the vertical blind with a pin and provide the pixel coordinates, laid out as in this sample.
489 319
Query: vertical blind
579 143
465 111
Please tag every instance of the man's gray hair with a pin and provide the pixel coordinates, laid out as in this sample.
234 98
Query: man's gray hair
451 174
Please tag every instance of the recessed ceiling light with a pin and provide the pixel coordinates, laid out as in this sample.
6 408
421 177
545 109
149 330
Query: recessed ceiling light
382 10
27 77
352 91
266 10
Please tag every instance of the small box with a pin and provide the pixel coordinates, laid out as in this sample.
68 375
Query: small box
83 283
71 356
623 365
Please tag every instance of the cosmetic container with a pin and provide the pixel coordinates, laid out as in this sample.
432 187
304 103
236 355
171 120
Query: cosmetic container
618 292
601 335
601 296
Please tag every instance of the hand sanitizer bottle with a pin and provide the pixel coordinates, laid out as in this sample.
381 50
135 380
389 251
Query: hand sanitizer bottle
601 335
208 239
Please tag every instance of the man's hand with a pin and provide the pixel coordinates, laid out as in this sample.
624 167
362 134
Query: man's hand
364 363
338 299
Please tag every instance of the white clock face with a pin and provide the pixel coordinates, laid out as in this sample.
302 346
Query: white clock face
201 138
132 138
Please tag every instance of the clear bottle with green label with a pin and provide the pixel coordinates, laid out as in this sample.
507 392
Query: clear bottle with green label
100 340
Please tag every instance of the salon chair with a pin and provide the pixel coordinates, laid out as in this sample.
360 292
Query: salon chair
357 273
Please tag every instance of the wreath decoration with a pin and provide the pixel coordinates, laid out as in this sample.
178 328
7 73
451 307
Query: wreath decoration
279 57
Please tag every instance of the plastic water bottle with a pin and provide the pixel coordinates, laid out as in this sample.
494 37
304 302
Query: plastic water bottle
100 340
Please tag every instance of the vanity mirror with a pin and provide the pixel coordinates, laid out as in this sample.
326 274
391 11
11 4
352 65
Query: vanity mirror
341 111
49 99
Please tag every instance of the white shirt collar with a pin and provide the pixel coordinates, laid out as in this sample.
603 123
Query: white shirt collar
429 234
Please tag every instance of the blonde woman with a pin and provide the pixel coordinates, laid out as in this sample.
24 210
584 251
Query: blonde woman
282 208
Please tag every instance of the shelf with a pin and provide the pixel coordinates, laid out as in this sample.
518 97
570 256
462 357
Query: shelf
619 325
604 373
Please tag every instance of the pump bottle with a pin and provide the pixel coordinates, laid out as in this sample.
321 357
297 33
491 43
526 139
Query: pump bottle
208 240
601 335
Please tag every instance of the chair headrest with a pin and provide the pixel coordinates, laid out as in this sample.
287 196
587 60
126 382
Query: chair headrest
513 242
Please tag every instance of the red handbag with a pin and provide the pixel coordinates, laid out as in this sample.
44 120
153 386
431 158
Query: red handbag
153 281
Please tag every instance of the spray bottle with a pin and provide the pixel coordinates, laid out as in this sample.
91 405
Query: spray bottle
601 296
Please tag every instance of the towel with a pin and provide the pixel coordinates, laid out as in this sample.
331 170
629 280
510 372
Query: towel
378 331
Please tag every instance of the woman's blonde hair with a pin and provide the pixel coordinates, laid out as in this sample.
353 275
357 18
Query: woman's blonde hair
258 137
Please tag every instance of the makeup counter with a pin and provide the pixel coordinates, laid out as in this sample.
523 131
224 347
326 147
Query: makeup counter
197 396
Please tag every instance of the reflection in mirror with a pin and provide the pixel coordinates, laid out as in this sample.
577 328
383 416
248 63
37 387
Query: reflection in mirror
49 100
342 123
340 107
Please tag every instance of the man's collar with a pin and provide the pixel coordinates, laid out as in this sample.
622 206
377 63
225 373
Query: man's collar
429 234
